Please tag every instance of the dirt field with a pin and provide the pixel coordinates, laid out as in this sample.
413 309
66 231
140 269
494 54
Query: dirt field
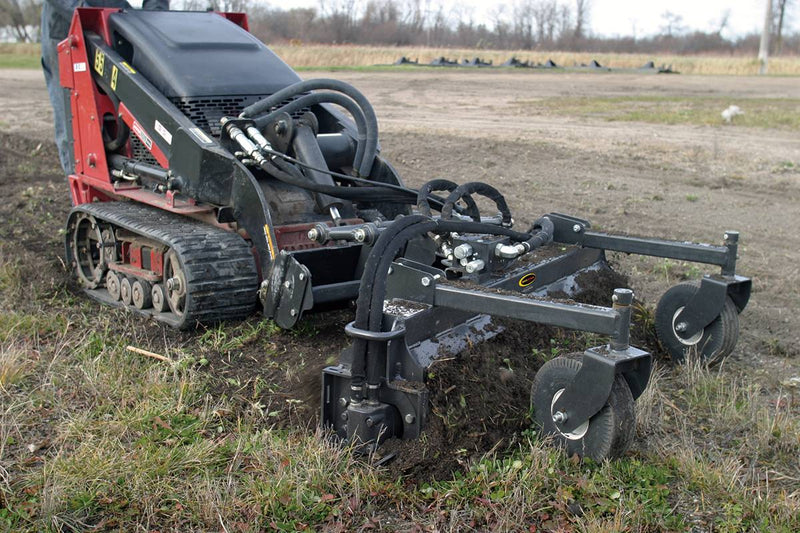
674 181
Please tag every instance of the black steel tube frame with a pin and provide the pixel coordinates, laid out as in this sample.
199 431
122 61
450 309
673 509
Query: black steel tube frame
571 230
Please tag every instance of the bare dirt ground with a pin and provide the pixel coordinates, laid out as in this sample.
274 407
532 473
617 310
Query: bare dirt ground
670 181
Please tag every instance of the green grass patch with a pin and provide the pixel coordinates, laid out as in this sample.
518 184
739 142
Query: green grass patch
20 55
783 113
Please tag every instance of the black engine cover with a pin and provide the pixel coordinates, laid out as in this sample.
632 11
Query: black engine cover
195 54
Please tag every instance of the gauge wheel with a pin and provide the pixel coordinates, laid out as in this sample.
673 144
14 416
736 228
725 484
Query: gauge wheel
713 343
606 435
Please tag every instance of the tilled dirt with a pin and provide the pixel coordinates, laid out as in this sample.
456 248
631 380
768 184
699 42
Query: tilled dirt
682 182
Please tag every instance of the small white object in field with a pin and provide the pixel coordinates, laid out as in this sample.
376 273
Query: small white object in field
731 112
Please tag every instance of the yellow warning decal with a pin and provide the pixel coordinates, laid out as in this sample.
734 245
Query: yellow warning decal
114 73
127 67
99 61
270 245
527 279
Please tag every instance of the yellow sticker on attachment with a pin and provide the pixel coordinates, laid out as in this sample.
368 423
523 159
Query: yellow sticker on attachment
99 61
271 246
114 73
527 279
127 67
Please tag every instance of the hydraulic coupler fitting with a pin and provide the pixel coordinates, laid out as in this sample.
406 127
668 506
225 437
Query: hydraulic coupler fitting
239 137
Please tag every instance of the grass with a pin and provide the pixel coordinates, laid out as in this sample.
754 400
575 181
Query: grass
93 436
352 57
783 113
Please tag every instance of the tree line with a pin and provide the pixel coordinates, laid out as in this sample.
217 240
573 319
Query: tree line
544 25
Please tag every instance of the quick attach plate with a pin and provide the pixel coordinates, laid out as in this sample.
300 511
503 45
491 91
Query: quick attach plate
286 291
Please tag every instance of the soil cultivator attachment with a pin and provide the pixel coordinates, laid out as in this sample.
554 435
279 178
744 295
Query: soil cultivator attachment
210 179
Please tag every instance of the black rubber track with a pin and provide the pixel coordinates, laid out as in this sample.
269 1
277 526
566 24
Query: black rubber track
219 266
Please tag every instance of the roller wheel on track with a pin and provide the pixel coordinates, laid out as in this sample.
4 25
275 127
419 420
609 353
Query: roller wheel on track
606 435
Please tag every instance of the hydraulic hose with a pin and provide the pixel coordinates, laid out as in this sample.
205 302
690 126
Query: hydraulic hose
476 187
333 98
371 148
541 233
443 185
363 303
287 173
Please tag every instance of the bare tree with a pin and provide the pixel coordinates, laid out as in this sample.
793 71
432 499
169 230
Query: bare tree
780 13
673 24
582 8
19 15
722 23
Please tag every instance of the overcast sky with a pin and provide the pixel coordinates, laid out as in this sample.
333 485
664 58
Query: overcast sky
620 17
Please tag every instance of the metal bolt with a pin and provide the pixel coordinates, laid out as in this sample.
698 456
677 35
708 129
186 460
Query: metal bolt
293 312
426 281
342 401
682 326
409 418
344 415
287 284
360 235
280 127
577 228
313 234
370 422
174 284
301 276
559 417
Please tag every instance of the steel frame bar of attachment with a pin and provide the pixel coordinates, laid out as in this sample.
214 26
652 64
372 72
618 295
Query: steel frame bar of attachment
573 316
571 230
684 251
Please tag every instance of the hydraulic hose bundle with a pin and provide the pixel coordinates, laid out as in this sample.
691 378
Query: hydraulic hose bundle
350 98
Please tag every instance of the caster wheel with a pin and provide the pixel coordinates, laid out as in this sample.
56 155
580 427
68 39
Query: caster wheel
112 285
606 435
715 342
159 298
141 294
125 291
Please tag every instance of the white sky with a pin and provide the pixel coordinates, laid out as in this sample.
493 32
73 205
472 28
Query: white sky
618 17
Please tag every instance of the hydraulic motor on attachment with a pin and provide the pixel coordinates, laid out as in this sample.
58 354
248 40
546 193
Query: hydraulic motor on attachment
210 180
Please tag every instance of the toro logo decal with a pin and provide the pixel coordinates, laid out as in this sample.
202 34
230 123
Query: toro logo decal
527 279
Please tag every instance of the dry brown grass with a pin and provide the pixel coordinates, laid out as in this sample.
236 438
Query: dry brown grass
306 56
311 56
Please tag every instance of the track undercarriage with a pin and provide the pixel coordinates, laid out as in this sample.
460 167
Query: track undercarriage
199 200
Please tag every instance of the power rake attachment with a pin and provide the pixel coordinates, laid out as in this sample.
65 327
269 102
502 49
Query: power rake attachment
410 314
210 180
